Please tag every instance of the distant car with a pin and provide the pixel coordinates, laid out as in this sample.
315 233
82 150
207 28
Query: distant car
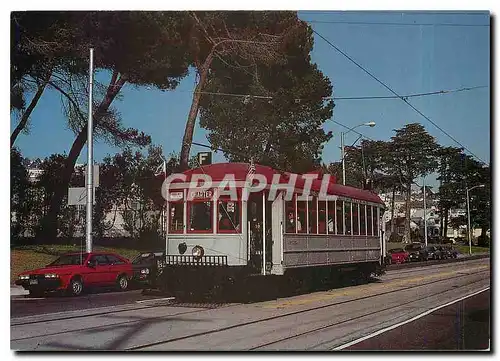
434 253
417 252
449 252
398 255
146 267
75 271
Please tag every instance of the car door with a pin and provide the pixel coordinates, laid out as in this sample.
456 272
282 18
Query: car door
117 266
100 271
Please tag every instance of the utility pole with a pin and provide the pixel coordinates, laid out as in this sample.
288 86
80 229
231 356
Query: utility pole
425 216
468 216
90 157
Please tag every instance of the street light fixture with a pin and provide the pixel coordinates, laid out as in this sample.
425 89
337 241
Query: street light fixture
342 135
468 215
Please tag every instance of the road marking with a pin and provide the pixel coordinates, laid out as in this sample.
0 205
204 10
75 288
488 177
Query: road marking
407 321
156 299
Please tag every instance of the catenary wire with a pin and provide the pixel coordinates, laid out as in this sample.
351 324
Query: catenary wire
396 94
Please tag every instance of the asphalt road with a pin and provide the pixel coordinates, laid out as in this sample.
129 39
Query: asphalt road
320 321
464 325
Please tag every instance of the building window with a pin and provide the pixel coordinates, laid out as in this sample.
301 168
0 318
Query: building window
362 220
313 227
355 219
290 216
229 217
322 217
301 217
176 220
369 220
340 217
348 218
200 217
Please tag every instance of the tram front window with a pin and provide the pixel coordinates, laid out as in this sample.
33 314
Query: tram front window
200 216
229 216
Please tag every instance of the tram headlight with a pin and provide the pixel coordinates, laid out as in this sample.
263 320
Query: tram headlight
197 252
145 271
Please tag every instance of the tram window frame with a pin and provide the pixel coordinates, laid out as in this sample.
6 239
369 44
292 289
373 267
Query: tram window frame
362 220
348 218
375 221
170 218
190 205
322 214
340 229
355 219
369 220
238 210
290 207
301 217
312 216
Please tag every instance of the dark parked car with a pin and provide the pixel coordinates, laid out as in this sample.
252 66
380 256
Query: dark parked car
72 272
434 253
417 252
449 252
146 267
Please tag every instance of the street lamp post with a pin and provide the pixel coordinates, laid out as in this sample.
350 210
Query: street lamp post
468 216
342 145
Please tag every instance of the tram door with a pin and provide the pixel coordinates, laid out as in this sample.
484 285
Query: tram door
255 216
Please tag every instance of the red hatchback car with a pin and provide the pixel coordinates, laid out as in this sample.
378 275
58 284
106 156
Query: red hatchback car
398 255
74 271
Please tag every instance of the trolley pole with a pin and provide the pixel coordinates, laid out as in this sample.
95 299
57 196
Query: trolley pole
90 157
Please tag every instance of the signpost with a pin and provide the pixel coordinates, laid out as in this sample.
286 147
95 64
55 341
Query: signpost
204 158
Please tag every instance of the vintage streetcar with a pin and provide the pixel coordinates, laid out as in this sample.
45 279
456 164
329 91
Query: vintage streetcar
240 228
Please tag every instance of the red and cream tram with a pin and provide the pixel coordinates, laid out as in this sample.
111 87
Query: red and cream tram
233 220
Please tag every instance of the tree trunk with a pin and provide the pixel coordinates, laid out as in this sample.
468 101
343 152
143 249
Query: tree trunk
193 113
407 235
50 224
29 110
393 221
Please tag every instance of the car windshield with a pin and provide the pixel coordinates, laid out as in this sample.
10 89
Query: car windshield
70 259
396 250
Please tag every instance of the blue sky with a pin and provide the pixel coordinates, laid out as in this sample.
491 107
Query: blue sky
410 59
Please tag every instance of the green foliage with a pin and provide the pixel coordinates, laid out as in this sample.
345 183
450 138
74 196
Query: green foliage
19 193
275 127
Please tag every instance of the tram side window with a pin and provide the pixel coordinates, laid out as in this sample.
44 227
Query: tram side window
176 221
301 217
362 220
322 223
375 221
369 219
228 217
347 213
200 216
290 216
355 219
313 227
340 217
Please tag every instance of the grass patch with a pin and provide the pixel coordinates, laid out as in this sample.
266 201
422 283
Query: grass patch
25 258
474 249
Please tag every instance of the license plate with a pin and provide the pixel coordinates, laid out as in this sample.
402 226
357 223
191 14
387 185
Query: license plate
33 282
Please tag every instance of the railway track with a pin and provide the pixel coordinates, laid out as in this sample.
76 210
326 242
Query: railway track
240 325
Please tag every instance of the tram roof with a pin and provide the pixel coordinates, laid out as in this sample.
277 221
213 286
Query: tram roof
218 171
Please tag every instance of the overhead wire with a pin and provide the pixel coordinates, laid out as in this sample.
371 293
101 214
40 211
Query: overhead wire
393 23
372 97
396 94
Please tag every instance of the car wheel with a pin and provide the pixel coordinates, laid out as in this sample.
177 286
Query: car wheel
76 287
122 282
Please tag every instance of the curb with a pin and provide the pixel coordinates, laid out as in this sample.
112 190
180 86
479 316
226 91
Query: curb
18 291
434 262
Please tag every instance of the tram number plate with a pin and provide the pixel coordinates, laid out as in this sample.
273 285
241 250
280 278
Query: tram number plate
33 282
